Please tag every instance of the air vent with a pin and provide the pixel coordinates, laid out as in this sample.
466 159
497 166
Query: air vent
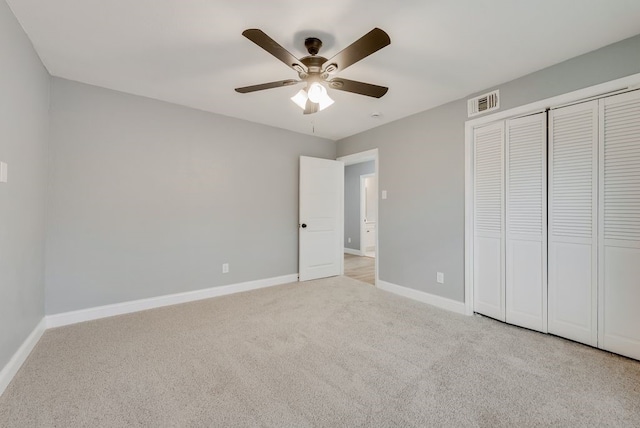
484 103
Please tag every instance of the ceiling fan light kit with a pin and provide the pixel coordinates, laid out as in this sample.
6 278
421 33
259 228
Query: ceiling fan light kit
316 92
317 71
313 95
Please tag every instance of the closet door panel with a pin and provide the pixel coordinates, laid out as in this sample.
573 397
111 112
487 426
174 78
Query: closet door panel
573 189
570 292
488 268
526 211
622 300
524 279
488 277
619 243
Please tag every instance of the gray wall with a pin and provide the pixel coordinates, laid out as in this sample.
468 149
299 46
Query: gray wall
24 100
149 198
421 165
352 175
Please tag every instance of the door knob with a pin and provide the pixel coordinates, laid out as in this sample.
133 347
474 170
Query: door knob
304 226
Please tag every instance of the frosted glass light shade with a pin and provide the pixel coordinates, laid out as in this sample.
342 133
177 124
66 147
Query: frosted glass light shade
325 102
316 92
300 98
323 98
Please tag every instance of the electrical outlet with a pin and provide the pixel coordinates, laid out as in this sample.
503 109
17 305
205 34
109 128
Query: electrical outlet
225 268
349 240
440 277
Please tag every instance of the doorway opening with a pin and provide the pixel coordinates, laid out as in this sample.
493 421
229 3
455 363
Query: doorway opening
368 213
361 216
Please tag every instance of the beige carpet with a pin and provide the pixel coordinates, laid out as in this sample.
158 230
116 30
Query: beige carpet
327 353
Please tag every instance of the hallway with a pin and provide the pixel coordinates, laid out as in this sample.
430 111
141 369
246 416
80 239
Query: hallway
360 268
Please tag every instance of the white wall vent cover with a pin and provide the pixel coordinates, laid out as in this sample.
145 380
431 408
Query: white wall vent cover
483 103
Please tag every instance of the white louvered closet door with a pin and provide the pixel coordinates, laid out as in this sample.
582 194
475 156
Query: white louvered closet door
573 202
488 265
619 237
526 222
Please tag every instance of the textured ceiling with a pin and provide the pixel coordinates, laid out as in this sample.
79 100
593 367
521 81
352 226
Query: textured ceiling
191 52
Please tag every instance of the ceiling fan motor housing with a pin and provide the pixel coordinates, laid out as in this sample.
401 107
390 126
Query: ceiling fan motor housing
313 63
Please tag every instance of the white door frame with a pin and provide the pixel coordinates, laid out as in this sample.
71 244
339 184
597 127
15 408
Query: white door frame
359 158
607 88
363 209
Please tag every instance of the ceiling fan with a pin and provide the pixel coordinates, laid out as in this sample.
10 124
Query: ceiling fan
317 71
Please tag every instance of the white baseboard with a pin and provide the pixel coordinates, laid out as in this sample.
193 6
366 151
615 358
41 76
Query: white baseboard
14 364
11 368
353 252
73 317
421 296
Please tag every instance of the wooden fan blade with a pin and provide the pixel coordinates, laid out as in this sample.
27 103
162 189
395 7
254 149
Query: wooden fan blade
311 107
269 85
371 42
358 87
268 44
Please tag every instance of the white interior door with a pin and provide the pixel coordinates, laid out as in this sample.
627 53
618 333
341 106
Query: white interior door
526 222
488 229
619 231
573 202
321 220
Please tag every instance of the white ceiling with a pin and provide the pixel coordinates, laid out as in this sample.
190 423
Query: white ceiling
191 52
